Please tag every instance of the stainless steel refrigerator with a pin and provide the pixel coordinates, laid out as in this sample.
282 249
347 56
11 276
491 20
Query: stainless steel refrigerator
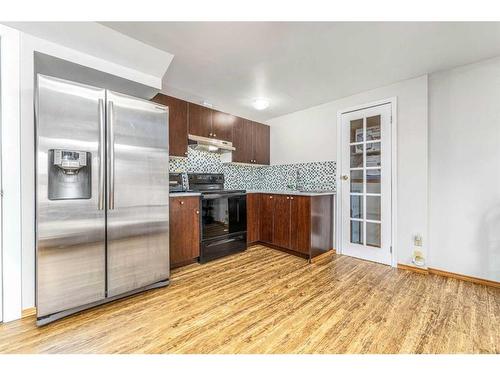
101 197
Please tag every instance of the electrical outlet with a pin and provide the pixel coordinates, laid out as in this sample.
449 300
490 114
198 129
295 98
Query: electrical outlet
417 240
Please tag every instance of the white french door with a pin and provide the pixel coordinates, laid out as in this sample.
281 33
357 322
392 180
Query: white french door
366 183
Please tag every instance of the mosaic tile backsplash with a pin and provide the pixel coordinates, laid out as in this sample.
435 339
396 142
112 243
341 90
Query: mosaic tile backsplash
300 176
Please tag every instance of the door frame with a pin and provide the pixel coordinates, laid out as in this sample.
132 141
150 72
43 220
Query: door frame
394 121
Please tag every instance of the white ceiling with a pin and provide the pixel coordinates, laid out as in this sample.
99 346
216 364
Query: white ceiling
299 65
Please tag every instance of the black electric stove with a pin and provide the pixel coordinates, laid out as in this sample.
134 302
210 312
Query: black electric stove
223 216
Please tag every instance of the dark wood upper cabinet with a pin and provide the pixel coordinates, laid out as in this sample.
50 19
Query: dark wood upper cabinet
281 222
243 141
252 142
222 125
177 124
300 224
251 139
266 218
199 120
261 143
184 244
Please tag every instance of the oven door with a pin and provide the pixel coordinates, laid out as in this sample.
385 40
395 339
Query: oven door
223 214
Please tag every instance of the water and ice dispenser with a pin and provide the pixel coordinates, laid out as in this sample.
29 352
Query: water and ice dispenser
69 174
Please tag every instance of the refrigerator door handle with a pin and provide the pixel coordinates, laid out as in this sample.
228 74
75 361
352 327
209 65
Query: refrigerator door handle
102 159
111 156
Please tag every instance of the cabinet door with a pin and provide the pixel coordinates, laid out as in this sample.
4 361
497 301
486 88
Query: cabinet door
177 124
266 217
222 125
261 143
184 230
281 230
199 120
243 141
300 239
253 217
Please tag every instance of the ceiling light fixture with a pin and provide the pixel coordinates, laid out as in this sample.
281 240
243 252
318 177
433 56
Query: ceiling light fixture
260 103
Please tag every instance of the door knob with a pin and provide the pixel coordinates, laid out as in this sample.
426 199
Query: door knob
345 177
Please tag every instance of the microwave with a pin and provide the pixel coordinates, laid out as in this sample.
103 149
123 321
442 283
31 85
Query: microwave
176 182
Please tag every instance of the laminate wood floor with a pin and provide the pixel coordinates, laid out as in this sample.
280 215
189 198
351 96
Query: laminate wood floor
266 301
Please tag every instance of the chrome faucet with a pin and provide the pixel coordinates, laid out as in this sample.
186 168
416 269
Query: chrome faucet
298 182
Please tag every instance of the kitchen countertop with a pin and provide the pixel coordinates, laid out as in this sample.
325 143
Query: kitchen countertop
184 194
280 192
293 192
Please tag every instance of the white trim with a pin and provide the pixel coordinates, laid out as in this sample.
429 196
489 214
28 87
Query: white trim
393 101
394 182
1 191
11 174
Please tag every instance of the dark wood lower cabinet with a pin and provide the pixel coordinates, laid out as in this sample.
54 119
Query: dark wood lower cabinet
253 217
300 224
184 230
281 222
266 218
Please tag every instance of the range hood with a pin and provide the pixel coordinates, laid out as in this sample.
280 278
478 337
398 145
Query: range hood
199 143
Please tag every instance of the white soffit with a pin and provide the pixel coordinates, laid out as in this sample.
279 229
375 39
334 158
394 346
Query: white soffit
103 43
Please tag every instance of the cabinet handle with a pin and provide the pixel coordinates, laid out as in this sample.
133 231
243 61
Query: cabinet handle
291 198
210 134
287 197
270 197
197 212
181 202
186 153
215 135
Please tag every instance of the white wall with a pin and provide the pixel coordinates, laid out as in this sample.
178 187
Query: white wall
11 175
310 135
464 156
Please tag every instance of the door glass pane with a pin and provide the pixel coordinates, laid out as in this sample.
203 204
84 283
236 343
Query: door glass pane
357 206
373 181
356 181
373 128
357 130
373 234
357 232
373 154
373 207
357 156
